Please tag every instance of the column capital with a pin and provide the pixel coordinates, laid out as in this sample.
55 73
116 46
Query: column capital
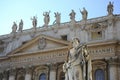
28 70
112 60
53 66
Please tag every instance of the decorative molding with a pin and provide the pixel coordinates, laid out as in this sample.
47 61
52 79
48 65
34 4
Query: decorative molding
53 67
96 27
39 70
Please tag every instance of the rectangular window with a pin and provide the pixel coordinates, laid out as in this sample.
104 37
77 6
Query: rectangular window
64 37
96 35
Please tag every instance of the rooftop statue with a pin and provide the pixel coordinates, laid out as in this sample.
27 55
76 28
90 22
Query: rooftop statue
110 8
78 66
72 15
14 27
46 18
20 26
58 18
34 22
84 14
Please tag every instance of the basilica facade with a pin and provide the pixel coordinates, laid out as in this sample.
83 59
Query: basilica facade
39 53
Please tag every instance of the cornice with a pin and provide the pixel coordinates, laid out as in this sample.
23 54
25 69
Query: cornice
38 52
102 43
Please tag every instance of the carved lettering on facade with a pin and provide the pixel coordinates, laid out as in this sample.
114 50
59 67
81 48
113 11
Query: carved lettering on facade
37 59
102 50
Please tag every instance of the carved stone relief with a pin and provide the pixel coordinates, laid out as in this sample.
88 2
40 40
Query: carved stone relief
42 43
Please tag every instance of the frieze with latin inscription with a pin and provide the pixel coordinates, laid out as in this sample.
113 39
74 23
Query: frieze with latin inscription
102 50
39 59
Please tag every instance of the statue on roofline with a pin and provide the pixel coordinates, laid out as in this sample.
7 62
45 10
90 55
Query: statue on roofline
34 22
58 18
72 15
46 18
110 8
20 26
14 27
84 14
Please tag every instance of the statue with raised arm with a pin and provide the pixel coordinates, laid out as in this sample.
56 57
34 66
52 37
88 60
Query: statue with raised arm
34 22
110 8
20 26
84 14
58 18
76 68
46 18
72 15
14 27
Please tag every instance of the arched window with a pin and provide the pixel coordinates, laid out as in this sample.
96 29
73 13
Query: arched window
42 76
99 74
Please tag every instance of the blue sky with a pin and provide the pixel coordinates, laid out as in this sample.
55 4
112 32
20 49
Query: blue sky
15 10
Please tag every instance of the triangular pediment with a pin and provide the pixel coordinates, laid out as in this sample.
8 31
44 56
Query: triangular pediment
41 43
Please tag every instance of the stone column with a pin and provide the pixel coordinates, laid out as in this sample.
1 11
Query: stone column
113 69
28 75
12 74
53 68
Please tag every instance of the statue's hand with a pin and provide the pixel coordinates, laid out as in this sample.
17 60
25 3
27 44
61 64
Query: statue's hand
68 65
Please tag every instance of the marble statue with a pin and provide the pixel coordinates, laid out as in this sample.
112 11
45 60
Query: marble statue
84 14
20 26
14 27
110 8
58 18
72 15
34 22
46 18
78 62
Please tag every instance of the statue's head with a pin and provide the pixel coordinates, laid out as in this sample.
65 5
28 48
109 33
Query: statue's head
75 42
83 8
34 17
110 3
72 10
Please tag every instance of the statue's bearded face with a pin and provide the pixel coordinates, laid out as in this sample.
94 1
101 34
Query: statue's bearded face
75 43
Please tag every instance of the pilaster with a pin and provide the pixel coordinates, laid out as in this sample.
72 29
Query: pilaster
113 68
53 68
110 30
28 74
